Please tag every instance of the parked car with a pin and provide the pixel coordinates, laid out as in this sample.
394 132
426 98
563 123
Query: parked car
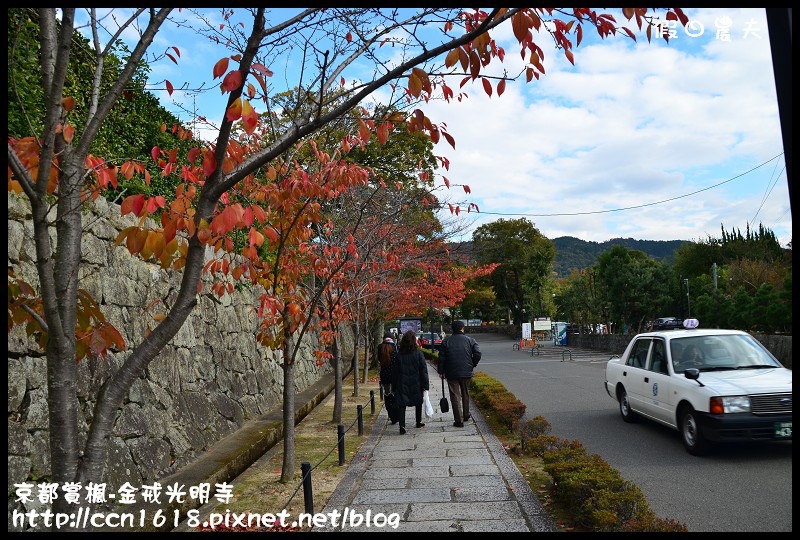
425 340
667 323
712 386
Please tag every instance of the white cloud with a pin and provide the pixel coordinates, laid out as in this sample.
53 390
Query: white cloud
629 125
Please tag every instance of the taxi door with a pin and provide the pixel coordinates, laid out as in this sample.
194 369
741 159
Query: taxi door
635 372
658 397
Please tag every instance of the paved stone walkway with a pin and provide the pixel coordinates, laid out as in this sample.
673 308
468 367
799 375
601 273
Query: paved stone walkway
438 478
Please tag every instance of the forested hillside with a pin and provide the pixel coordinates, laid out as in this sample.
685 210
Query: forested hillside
573 252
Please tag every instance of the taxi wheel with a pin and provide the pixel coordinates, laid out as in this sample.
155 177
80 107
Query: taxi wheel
625 408
692 434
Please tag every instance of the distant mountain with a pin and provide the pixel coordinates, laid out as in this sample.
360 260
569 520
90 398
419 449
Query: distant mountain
574 253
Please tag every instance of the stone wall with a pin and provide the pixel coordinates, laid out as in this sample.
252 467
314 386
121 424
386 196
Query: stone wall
205 384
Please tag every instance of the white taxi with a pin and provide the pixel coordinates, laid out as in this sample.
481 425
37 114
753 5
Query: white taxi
712 386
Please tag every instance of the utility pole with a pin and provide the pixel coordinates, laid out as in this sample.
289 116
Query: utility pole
714 272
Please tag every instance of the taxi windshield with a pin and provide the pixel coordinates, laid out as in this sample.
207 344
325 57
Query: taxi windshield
720 352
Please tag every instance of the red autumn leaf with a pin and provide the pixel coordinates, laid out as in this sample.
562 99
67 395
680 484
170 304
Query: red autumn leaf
203 235
170 229
414 84
474 64
466 189
383 132
177 51
501 87
68 103
519 25
423 79
234 111
450 139
255 237
193 154
220 67
271 233
132 205
249 118
123 234
69 133
128 169
487 87
154 153
169 87
261 68
232 81
136 241
446 181
363 131
154 203
452 58
349 37
171 57
209 164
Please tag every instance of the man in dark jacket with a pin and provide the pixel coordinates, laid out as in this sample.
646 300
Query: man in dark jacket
457 358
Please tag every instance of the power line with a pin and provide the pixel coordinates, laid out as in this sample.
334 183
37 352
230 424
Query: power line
637 206
766 195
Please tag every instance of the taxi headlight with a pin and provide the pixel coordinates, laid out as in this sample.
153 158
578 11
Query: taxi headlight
730 404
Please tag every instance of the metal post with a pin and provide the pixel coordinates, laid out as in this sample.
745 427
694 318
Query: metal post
372 401
340 434
308 492
688 303
381 390
430 314
360 409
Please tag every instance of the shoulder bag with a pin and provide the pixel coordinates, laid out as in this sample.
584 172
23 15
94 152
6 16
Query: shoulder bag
444 406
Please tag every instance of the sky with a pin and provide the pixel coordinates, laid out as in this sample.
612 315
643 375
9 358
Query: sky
643 140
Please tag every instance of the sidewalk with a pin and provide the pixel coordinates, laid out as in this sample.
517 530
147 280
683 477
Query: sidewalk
438 478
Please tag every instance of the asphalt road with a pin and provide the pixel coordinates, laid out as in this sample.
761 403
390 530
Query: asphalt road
737 488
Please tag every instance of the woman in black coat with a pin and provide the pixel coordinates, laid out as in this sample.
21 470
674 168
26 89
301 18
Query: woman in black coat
409 378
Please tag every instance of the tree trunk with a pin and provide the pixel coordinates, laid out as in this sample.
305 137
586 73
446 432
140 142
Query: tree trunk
367 344
337 385
287 472
357 329
62 402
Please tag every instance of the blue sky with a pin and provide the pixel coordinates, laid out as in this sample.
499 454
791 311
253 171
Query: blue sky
644 140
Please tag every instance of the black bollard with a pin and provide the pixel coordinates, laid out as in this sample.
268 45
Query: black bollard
372 401
381 389
340 432
308 492
360 410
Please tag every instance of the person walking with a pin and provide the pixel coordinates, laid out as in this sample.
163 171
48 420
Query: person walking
386 352
457 359
409 379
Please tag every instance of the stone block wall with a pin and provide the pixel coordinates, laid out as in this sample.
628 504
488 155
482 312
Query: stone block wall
206 383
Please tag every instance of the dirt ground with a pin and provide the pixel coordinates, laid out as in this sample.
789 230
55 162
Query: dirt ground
259 490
